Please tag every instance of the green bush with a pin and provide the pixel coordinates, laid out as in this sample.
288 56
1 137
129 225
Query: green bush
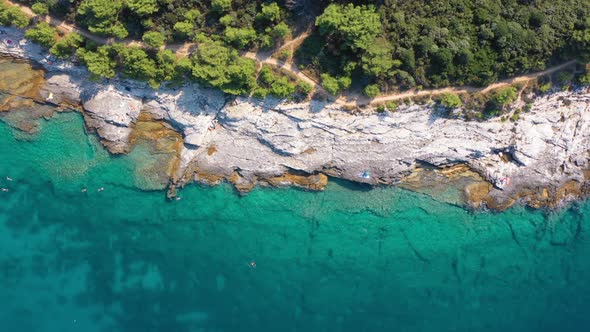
100 16
43 34
260 93
355 26
270 12
226 20
221 5
504 96
372 90
138 65
166 66
142 7
67 45
330 84
276 85
240 37
282 88
585 78
450 100
344 82
304 88
11 15
40 8
391 106
99 63
284 55
545 87
154 39
281 30
221 67
184 29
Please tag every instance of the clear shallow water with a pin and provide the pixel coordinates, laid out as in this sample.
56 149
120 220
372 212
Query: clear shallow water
341 260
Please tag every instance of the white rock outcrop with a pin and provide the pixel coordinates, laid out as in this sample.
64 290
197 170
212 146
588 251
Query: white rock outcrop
546 147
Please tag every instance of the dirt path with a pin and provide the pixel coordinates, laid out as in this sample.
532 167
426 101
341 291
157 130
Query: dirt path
464 89
294 43
350 100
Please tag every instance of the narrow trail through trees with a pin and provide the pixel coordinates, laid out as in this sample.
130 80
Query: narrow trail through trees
262 57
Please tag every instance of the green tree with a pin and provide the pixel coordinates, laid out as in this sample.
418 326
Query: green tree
242 75
210 63
391 106
142 7
166 66
356 26
193 15
282 88
221 67
40 8
270 12
184 29
372 90
585 78
226 20
221 5
378 59
450 100
330 84
545 87
266 42
241 37
184 66
137 64
67 45
504 96
344 82
277 86
99 63
101 16
154 39
266 75
281 30
408 58
118 30
583 39
43 34
12 15
304 88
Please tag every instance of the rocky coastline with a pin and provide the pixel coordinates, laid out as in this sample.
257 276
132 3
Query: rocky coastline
543 159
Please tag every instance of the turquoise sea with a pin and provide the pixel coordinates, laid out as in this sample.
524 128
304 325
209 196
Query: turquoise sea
347 259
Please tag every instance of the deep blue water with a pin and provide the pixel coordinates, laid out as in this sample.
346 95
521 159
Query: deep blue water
341 260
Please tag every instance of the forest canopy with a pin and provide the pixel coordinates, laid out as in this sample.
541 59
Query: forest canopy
372 46
435 43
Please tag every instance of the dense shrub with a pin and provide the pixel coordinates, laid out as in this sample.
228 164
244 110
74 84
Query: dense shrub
43 34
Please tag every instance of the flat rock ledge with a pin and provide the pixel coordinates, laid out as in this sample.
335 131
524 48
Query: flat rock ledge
542 159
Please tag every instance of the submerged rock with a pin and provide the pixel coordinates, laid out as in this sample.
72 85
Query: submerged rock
163 145
20 95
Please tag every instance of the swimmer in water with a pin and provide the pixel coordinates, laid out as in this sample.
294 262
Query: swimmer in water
8 179
84 190
4 190
178 198
100 189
